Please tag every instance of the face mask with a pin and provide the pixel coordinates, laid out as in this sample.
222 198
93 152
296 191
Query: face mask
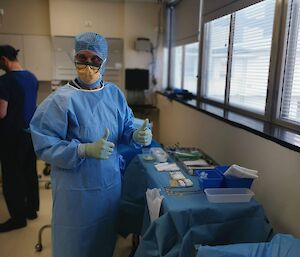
89 77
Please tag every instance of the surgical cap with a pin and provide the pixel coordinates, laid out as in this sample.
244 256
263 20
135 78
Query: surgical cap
93 42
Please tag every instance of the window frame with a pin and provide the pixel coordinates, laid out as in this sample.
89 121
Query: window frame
202 67
172 69
182 66
272 86
278 52
183 70
282 52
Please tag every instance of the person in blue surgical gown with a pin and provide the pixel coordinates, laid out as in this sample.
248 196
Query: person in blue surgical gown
76 130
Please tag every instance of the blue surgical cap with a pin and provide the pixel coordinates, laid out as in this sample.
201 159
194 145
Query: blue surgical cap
93 42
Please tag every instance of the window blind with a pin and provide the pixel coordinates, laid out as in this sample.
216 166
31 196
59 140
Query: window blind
186 22
213 9
252 41
191 52
215 58
290 106
177 67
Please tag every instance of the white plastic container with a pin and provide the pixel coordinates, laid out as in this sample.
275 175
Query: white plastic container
228 195
159 154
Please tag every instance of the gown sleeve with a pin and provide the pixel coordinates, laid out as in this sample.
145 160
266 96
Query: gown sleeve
49 134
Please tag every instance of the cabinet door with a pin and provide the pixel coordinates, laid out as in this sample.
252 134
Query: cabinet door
38 56
64 68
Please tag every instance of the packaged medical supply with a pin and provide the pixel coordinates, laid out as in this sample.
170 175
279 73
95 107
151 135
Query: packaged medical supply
177 183
147 156
241 172
177 175
230 181
199 162
181 183
188 182
166 167
154 200
159 154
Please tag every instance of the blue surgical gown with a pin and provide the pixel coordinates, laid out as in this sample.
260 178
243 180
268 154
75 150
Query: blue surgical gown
281 246
86 191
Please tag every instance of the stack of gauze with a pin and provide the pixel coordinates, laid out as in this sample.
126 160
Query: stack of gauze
165 166
241 172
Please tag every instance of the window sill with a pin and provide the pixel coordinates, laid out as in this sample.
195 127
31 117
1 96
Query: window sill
280 135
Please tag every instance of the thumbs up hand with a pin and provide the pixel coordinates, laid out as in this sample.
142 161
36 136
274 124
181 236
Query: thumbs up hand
143 134
100 149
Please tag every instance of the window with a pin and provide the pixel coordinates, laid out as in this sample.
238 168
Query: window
250 63
216 52
290 104
253 28
237 49
191 67
185 67
177 67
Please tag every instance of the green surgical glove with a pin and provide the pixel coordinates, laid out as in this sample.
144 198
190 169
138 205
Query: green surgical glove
143 135
100 149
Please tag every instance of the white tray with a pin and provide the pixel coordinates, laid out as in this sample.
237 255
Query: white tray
228 195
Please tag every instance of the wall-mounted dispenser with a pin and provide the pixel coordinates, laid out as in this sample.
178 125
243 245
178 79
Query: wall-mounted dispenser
143 44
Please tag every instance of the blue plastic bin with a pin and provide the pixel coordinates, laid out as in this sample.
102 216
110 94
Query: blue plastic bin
234 182
213 180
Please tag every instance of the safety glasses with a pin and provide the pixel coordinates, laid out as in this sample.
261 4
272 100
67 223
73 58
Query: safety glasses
82 65
93 61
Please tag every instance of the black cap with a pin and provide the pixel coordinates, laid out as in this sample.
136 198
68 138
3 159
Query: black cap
9 52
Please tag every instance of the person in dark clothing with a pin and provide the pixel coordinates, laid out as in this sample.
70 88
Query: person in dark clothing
18 93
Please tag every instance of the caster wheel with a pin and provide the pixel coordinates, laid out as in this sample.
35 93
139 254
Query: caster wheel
48 185
38 247
47 170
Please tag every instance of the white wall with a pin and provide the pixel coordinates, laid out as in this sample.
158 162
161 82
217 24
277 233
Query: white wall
70 17
127 20
140 20
278 186
26 26
25 17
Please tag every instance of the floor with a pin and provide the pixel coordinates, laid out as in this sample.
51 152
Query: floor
21 242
